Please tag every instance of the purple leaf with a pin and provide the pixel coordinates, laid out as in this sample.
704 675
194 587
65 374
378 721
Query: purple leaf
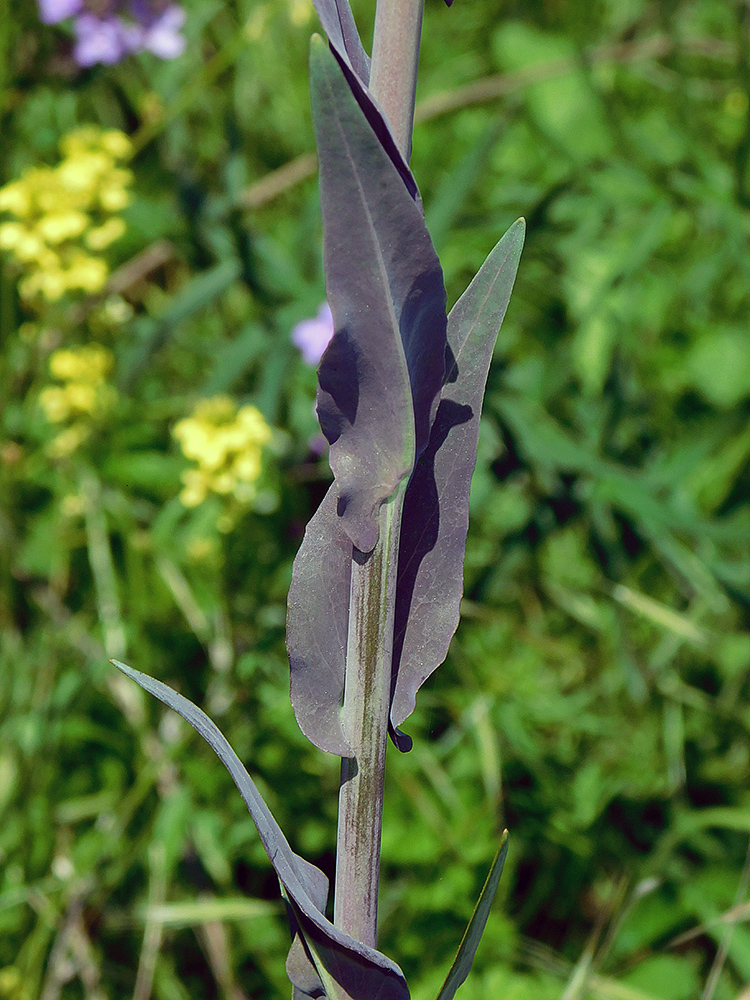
379 384
381 374
435 517
338 23
317 621
346 969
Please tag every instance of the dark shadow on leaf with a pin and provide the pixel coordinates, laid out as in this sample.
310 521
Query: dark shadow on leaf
338 377
420 525
422 326
380 127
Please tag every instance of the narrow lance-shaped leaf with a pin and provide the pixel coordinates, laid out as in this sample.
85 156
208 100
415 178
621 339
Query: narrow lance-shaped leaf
470 941
436 508
379 384
338 23
345 969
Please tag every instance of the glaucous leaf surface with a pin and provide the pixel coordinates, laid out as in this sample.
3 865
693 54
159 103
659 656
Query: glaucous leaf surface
338 23
380 377
379 383
345 969
435 518
317 624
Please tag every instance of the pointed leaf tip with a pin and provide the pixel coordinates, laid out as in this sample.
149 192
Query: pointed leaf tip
330 963
475 928
436 509
338 23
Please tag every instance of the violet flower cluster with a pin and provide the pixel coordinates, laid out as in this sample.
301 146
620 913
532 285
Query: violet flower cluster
108 30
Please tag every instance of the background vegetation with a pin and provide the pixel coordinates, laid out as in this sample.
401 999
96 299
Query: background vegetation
596 698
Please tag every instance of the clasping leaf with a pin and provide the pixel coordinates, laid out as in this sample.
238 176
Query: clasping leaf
323 961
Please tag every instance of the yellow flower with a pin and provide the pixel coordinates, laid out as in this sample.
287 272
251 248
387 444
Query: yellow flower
80 141
65 215
300 12
247 466
91 364
201 549
61 226
87 273
72 505
114 197
24 242
15 198
226 443
51 284
196 488
117 144
11 234
102 236
68 441
83 397
54 401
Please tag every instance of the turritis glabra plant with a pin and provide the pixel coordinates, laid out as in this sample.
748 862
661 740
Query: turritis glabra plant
377 582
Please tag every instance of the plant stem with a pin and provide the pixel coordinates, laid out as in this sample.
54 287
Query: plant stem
367 693
395 56
372 594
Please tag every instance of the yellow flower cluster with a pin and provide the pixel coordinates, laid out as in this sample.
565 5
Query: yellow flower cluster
64 216
84 396
227 443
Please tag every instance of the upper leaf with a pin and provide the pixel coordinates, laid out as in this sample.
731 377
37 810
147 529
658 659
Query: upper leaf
435 518
345 968
379 384
380 377
338 23
470 941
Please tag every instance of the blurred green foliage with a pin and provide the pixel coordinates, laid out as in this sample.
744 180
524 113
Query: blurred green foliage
595 699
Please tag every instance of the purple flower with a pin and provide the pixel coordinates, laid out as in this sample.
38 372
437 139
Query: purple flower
163 37
312 336
108 30
100 40
54 11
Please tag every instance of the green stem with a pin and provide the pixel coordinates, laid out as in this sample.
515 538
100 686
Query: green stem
367 693
395 56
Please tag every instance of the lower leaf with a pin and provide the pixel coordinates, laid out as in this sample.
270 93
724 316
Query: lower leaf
475 928
345 968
